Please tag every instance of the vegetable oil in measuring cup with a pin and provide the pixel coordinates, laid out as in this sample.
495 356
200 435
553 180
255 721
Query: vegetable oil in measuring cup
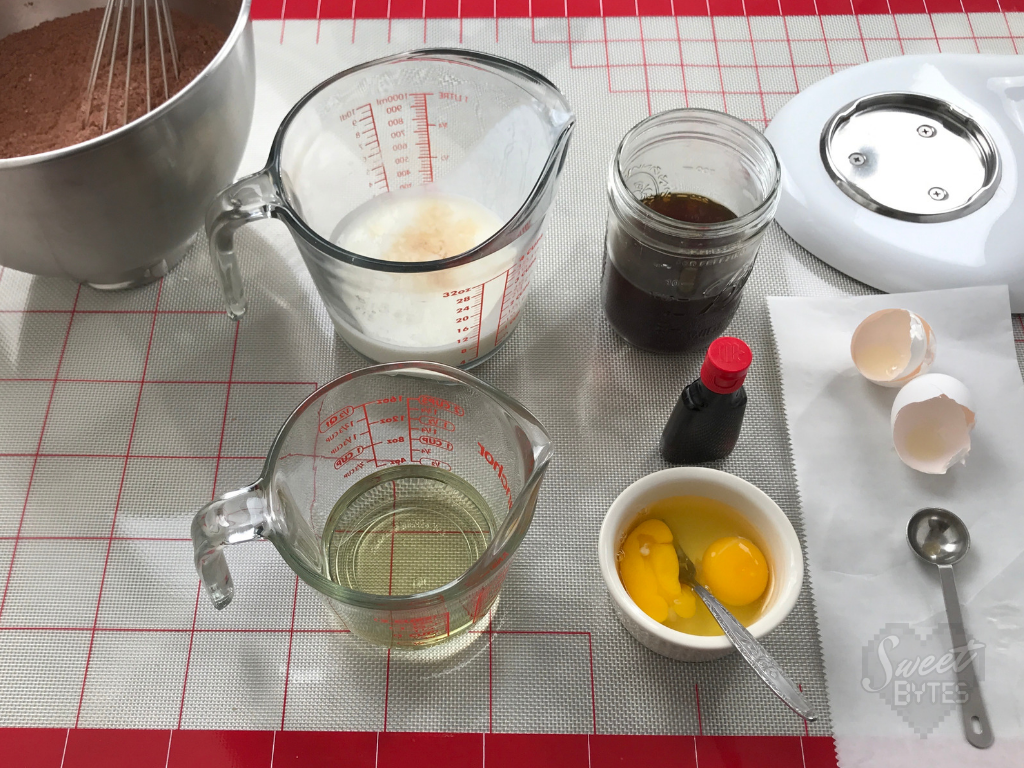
400 315
406 530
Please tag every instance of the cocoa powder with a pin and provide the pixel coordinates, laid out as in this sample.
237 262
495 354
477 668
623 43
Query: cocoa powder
44 74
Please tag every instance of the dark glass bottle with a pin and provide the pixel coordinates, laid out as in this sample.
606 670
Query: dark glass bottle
705 424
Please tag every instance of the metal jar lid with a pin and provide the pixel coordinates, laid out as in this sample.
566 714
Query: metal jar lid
910 157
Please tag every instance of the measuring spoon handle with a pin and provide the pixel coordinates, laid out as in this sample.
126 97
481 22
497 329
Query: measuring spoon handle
756 656
977 729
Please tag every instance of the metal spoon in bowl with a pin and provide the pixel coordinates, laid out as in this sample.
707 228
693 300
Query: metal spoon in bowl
752 651
939 537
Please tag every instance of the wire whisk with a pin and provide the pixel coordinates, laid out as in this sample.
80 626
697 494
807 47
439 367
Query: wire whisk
114 16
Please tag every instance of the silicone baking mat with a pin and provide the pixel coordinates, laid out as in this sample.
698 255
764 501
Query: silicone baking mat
124 413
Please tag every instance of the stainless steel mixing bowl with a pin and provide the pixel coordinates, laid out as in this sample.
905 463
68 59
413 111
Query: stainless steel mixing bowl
119 210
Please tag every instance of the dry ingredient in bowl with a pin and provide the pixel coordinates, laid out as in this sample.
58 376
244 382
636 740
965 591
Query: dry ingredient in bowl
44 72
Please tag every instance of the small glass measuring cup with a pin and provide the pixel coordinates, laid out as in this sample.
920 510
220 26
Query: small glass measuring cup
474 131
399 493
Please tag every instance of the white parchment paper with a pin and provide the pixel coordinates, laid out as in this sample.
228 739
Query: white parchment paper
857 497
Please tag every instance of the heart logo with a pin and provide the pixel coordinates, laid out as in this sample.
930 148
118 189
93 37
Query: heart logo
915 673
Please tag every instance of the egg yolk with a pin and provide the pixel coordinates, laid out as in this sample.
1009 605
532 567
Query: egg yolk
649 568
735 570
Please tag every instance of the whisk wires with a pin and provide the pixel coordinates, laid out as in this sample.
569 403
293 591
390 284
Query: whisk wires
114 16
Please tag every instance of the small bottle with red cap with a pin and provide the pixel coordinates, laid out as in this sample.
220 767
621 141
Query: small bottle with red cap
705 424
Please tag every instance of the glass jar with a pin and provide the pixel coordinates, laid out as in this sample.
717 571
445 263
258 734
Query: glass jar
670 285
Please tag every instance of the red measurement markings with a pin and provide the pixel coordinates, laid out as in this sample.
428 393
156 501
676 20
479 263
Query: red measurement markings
469 314
427 431
517 282
350 461
408 423
369 142
422 133
369 436
430 430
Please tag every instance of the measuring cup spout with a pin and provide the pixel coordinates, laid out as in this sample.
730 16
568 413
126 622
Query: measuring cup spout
233 518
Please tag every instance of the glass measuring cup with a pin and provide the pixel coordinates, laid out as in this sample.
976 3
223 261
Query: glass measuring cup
411 138
399 493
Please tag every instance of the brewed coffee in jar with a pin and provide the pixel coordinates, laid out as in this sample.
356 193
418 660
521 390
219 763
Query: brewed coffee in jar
690 195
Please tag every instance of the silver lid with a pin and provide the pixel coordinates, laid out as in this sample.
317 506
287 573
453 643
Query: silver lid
911 157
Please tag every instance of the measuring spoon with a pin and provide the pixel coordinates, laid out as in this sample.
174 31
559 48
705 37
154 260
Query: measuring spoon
939 537
752 651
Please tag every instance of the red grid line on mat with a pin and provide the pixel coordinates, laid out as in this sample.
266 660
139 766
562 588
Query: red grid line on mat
179 630
283 10
860 31
117 503
94 538
789 43
735 99
490 631
292 630
931 21
896 26
718 59
824 36
165 457
1003 8
970 26
213 495
807 727
490 669
700 721
111 312
643 57
39 446
607 55
267 630
295 592
682 62
757 71
36 456
62 380
791 39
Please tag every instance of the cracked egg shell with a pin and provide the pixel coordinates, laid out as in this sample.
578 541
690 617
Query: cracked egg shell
932 418
892 346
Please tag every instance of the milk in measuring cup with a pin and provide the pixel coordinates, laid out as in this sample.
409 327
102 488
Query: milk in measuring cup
414 315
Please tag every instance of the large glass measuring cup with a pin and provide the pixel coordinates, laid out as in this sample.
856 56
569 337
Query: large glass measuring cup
399 493
416 188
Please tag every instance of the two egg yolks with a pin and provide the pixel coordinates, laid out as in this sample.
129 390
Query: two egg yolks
650 572
732 568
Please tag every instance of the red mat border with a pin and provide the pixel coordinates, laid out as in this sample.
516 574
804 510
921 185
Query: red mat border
122 748
470 9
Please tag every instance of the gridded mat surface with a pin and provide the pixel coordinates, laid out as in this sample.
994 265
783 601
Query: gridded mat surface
124 413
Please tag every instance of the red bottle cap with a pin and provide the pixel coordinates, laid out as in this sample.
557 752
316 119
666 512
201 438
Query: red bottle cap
726 365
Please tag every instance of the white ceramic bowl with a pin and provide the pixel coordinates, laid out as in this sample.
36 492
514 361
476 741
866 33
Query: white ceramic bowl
776 538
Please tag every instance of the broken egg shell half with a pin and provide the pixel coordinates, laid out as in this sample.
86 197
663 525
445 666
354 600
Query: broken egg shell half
892 346
932 418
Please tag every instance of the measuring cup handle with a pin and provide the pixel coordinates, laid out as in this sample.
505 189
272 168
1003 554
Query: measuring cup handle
244 201
233 518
